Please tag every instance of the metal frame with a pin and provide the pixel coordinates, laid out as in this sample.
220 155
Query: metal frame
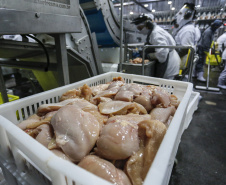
31 17
19 22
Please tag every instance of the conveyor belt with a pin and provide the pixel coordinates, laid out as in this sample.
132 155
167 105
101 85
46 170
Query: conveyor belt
104 21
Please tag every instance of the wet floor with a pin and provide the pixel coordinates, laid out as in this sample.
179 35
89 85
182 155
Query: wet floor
201 154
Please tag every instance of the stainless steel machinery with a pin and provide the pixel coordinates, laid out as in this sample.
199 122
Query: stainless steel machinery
72 55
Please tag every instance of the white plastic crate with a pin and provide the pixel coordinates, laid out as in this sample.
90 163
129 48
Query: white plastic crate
31 163
192 107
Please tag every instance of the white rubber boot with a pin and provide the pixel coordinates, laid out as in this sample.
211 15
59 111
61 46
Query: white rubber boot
200 77
194 73
221 84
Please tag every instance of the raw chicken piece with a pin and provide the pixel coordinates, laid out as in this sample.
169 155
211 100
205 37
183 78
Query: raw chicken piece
169 121
50 114
74 93
124 96
119 137
100 117
83 92
45 134
99 88
134 167
145 100
121 108
46 108
99 100
86 92
104 169
89 107
61 154
162 114
151 134
81 103
32 119
44 120
133 87
132 119
174 101
109 93
31 132
119 78
117 141
52 144
160 97
34 125
116 84
76 131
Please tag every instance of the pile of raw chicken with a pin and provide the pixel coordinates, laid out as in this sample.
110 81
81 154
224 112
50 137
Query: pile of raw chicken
138 60
113 130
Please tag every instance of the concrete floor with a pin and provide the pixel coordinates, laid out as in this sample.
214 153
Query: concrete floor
201 154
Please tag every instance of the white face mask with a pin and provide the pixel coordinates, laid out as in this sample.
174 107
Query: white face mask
144 31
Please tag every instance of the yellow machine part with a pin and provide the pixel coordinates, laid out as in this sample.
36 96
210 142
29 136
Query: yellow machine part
48 80
10 97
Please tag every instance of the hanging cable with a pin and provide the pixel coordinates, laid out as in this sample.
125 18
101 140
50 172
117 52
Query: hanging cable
45 50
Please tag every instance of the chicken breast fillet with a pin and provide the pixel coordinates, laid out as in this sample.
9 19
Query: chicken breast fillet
121 108
76 131
104 169
151 134
119 137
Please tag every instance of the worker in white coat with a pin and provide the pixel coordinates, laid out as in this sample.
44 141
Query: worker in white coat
221 41
168 60
184 32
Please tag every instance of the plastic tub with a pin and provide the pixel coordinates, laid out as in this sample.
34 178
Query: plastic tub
28 162
192 107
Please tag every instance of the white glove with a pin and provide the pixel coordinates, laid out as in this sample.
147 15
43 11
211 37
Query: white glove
151 56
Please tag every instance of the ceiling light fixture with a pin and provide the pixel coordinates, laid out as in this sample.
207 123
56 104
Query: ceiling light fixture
169 2
172 8
153 10
146 5
130 13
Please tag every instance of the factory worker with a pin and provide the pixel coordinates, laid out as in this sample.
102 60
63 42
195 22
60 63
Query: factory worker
168 61
203 48
184 32
221 41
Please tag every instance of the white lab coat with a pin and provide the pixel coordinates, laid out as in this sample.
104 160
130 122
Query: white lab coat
162 38
188 35
222 40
